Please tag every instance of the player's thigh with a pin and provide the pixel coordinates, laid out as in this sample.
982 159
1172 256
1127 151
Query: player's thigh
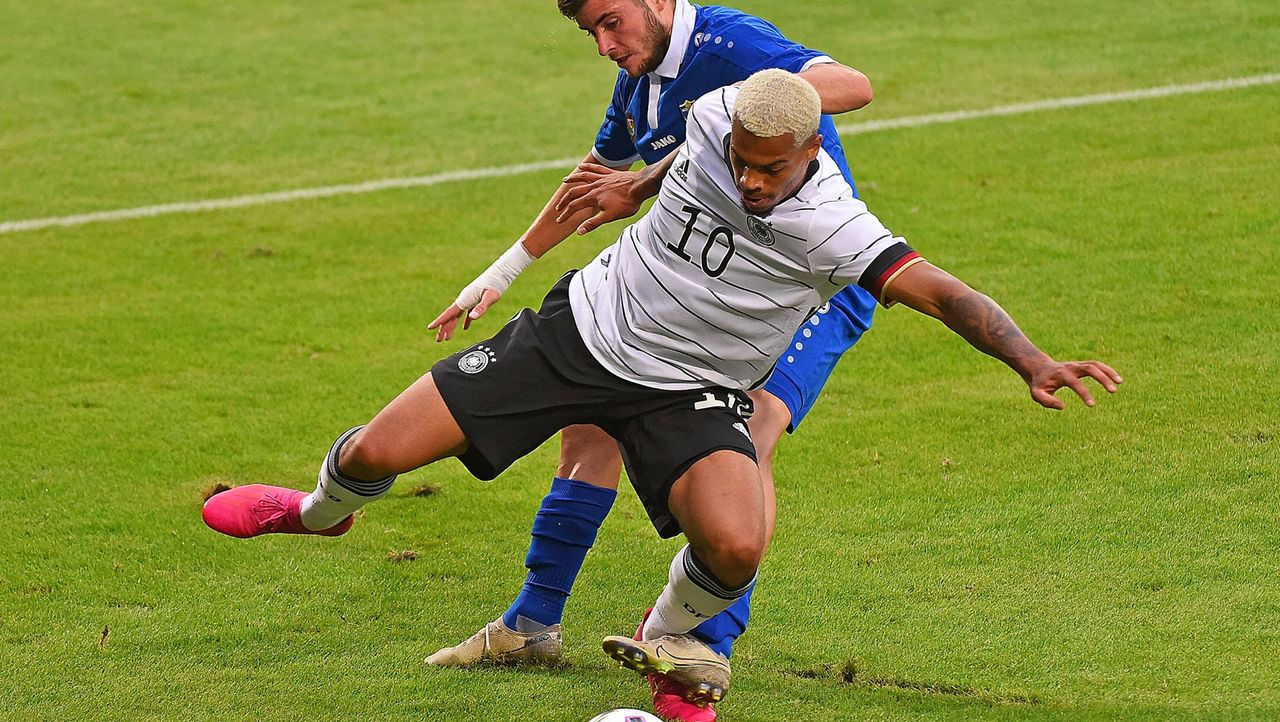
719 503
662 434
589 455
768 422
415 429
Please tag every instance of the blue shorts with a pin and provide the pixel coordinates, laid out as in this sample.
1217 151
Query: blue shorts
807 364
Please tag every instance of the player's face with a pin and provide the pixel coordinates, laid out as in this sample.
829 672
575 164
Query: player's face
768 170
628 32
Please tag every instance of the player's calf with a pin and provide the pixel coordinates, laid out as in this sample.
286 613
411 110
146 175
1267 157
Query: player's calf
339 494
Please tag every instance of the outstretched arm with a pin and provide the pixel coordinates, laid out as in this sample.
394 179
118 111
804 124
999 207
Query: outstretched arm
547 230
986 326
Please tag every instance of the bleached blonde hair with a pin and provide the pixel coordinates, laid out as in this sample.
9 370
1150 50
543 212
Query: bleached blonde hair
774 102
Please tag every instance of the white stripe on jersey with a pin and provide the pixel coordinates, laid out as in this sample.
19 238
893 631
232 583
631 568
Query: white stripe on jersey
698 292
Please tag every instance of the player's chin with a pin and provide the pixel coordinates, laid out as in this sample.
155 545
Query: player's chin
636 66
758 206
630 66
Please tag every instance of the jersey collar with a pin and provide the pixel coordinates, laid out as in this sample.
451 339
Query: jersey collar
681 30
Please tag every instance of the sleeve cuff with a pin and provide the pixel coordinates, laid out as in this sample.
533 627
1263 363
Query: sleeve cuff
625 163
820 60
892 274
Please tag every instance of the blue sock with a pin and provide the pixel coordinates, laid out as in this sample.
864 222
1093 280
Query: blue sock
720 631
565 528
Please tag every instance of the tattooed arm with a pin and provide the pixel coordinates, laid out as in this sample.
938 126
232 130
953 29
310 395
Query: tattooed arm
980 321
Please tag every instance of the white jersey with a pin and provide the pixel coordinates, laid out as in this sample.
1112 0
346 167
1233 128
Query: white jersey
701 293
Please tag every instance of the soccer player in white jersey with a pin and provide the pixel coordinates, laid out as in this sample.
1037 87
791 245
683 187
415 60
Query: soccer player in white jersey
656 342
669 53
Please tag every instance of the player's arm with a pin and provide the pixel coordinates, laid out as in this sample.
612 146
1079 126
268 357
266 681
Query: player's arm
980 321
547 230
841 88
612 193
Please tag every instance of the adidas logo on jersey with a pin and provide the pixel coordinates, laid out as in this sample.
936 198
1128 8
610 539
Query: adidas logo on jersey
682 169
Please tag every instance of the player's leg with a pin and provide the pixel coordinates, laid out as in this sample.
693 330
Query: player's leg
413 430
489 405
768 423
564 529
719 504
781 405
565 526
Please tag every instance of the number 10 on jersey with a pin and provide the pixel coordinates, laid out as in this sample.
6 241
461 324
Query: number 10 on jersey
720 237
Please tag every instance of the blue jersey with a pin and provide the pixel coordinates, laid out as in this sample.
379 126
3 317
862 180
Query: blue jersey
711 47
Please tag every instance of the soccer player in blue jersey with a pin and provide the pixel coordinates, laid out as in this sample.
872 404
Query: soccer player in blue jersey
670 53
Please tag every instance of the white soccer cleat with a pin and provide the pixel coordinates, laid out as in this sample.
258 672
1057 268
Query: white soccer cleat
498 644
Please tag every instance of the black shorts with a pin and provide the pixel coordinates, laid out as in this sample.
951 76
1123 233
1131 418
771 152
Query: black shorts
516 390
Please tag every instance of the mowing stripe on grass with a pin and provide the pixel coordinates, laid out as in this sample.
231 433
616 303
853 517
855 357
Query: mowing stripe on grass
510 170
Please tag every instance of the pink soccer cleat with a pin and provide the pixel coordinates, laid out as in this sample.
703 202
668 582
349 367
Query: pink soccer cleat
247 511
669 702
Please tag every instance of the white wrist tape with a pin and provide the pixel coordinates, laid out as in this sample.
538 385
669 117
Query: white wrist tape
498 276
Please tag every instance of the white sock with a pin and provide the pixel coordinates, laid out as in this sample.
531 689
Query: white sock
337 495
692 596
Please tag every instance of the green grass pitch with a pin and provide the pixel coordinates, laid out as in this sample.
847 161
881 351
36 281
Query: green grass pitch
946 549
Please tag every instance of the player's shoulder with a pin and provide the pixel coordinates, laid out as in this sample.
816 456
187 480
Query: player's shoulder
728 32
715 18
837 215
714 109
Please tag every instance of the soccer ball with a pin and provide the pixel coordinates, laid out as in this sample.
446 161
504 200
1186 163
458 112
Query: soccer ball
625 715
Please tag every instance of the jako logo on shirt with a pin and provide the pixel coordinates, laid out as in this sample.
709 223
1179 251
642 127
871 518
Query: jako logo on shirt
473 362
663 142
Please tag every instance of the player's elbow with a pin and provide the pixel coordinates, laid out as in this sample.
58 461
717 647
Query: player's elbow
860 91
849 92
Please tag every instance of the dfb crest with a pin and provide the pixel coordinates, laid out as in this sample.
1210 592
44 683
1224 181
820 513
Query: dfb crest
473 362
760 231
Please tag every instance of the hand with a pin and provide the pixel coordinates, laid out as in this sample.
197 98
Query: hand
447 321
608 191
1054 375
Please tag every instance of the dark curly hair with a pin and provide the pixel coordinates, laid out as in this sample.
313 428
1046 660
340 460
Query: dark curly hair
570 8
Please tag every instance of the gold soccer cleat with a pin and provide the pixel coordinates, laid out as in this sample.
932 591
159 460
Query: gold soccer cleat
497 644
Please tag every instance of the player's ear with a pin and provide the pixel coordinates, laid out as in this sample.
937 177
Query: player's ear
815 143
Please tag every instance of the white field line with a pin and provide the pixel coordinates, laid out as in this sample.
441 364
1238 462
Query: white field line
510 170
1058 103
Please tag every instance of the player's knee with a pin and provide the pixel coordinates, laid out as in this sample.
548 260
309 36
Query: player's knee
367 456
735 561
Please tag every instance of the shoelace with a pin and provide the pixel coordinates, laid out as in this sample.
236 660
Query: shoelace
270 511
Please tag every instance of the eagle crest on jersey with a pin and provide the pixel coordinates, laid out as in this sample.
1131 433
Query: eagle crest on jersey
760 231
